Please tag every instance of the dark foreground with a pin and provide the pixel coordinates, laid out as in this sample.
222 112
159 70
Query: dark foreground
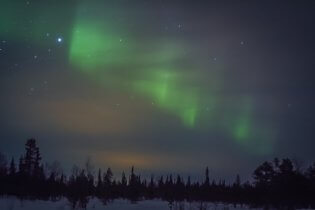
280 184
13 203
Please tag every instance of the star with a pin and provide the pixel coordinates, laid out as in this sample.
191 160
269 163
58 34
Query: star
59 39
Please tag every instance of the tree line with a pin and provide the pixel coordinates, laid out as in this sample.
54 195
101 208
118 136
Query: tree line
276 182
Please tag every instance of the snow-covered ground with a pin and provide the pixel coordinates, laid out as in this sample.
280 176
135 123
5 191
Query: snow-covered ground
12 203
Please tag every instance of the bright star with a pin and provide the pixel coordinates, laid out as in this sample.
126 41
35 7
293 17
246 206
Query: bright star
59 39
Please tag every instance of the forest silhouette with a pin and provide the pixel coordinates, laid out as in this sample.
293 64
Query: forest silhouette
276 183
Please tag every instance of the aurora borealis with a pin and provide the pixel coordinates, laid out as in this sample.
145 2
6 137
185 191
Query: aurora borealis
162 85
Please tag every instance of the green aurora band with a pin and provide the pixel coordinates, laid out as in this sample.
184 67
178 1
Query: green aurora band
97 51
164 90
43 23
150 70
93 50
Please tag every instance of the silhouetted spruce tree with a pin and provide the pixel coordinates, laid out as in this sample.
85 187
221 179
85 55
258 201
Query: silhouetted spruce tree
123 179
52 177
107 181
236 188
188 183
310 175
286 167
290 181
169 192
3 174
108 178
62 184
143 186
276 163
99 184
12 169
123 185
188 189
237 182
263 175
83 183
178 180
115 189
310 172
151 188
205 187
32 158
3 165
170 181
132 178
89 174
161 182
207 180
134 185
179 188
22 168
152 183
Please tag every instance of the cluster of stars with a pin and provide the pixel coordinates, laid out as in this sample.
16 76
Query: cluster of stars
59 40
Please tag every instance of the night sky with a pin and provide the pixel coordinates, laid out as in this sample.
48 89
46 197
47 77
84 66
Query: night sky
167 86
